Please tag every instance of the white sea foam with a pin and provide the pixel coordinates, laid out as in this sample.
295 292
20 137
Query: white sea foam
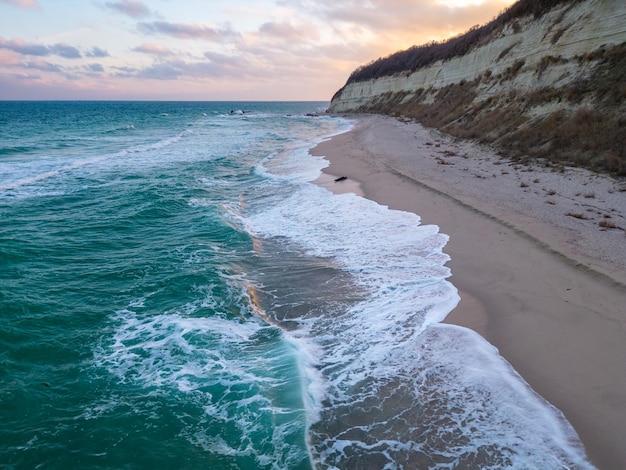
313 383
25 174
391 348
214 362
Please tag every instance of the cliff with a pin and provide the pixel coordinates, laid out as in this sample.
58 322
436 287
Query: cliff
543 83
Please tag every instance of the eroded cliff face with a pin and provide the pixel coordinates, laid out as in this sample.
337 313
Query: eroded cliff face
552 87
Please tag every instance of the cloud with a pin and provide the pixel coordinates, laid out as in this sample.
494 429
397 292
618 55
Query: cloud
406 18
40 50
279 29
153 49
124 72
63 50
28 76
132 8
94 67
97 52
22 3
225 65
188 30
19 46
9 58
163 71
216 65
285 31
39 64
125 69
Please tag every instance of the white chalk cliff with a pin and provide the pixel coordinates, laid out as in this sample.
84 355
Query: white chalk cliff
583 28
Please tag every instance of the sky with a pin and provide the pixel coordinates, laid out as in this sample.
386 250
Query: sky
210 50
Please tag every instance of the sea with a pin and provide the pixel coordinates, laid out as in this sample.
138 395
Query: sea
177 292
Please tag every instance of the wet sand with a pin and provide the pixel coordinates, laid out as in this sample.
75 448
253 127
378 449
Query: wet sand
545 286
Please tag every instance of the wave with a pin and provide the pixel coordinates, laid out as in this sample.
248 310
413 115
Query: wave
59 166
230 368
16 150
399 387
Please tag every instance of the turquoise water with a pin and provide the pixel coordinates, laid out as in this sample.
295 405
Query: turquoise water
176 293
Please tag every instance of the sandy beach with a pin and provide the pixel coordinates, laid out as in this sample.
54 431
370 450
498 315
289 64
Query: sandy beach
538 256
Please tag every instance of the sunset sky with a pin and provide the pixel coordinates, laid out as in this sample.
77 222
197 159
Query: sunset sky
211 49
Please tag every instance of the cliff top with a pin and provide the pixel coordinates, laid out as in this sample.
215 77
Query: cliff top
417 57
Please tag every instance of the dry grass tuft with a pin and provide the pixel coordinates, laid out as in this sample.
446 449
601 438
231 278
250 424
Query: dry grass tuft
577 215
606 223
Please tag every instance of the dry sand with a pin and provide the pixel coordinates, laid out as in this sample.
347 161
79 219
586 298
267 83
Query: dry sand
546 288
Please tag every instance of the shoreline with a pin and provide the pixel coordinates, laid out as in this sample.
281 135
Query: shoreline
546 288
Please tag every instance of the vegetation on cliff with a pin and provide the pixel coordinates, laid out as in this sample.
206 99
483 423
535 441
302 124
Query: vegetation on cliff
427 54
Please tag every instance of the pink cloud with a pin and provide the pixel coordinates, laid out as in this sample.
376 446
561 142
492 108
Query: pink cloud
21 47
22 3
40 50
187 30
9 58
132 8
42 65
153 49
289 33
400 18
